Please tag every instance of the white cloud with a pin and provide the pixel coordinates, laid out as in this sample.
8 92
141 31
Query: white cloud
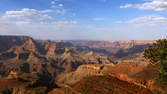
60 23
156 5
53 6
98 19
38 29
58 11
149 20
69 30
8 28
57 6
62 11
28 14
53 2
126 6
60 5
47 11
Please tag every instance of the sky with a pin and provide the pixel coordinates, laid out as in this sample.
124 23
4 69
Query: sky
85 19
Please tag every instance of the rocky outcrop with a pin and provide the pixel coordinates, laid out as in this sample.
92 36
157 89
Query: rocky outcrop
112 44
81 72
107 85
66 64
118 49
102 84
30 45
139 75
7 42
46 57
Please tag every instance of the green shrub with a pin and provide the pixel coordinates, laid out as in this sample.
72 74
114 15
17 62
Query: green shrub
157 55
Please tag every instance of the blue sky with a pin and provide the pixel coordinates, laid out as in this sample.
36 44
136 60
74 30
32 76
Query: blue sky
85 19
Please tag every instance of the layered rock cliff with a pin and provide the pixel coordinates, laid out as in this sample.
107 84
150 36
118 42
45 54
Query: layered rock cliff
43 65
118 49
46 57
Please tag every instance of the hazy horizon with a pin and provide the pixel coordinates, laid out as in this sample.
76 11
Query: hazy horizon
104 20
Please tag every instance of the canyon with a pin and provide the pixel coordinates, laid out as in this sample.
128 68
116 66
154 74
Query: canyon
34 66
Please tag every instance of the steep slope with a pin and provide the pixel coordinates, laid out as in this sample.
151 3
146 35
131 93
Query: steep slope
7 42
70 65
103 85
81 72
112 44
118 49
46 57
108 85
143 76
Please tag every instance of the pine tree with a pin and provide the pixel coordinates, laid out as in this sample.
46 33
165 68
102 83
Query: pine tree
157 55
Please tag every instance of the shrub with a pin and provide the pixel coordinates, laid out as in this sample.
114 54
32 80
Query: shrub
157 55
